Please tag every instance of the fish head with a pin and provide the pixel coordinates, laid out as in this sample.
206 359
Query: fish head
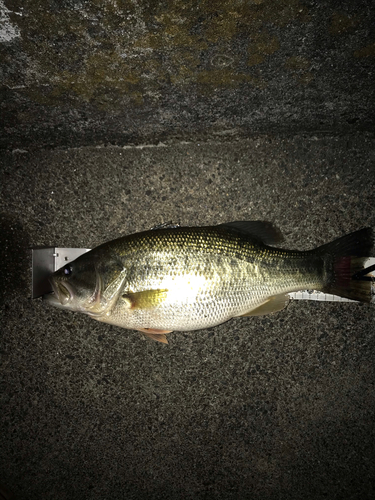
90 284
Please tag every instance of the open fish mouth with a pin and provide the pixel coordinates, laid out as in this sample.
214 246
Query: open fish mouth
62 294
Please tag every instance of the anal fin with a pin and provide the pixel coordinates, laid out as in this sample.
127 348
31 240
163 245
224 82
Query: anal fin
273 304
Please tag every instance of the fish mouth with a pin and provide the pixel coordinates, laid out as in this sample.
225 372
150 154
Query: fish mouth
62 294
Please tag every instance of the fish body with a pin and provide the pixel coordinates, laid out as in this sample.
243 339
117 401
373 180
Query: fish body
189 278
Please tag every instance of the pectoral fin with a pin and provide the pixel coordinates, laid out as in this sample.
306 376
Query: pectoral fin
154 334
273 304
147 299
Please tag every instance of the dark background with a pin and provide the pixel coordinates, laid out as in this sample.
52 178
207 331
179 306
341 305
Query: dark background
118 116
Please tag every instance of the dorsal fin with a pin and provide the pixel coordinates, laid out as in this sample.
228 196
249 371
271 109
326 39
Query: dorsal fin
165 225
263 231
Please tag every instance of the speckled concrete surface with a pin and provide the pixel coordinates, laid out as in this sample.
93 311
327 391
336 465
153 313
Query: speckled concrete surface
276 407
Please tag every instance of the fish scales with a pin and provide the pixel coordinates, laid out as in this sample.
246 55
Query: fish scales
211 275
189 278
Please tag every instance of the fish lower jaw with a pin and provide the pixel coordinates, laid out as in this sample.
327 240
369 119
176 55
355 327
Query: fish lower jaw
62 292
65 296
54 300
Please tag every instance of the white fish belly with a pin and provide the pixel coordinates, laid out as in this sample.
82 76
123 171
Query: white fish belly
192 302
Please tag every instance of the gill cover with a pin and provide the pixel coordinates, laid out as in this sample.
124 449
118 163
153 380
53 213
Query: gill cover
109 285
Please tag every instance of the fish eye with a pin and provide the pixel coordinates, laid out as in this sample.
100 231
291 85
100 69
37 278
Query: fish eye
68 270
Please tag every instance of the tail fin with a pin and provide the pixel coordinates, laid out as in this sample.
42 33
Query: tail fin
345 259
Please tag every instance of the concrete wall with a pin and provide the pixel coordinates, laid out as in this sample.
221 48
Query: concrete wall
89 72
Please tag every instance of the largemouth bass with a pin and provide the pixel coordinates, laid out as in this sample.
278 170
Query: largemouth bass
189 278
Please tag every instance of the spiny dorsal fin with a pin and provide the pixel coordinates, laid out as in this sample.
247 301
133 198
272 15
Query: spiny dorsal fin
165 225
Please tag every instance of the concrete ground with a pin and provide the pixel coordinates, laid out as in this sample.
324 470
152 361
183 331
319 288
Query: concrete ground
274 407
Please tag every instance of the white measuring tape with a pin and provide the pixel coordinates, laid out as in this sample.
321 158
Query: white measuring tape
328 297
